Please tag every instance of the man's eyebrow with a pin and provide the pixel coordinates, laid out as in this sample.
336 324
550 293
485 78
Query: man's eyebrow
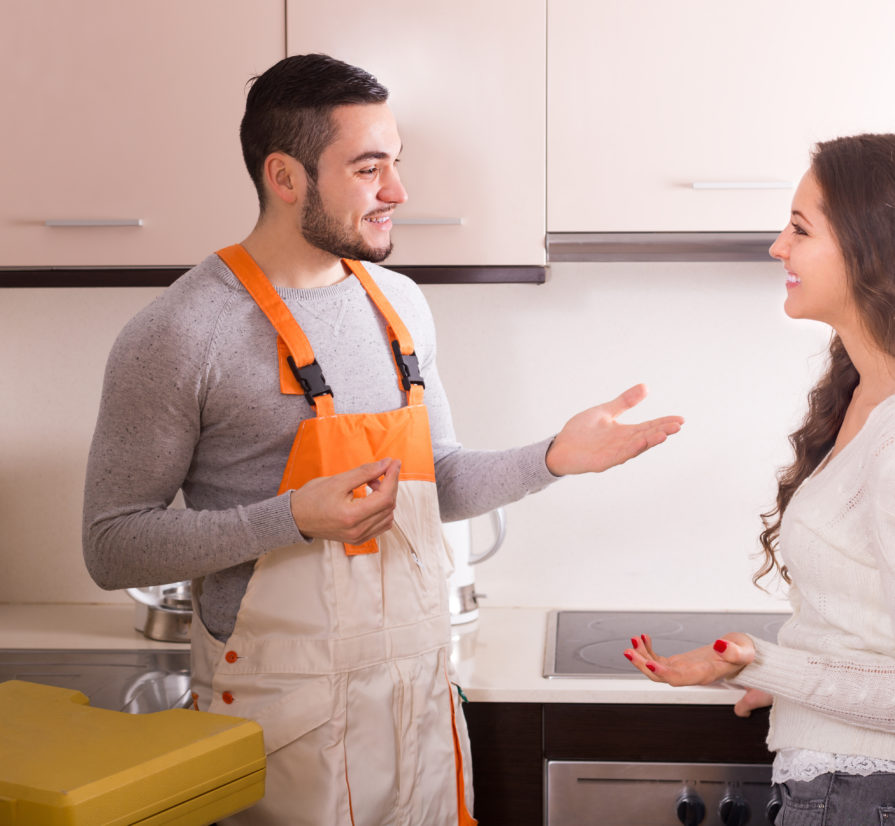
373 156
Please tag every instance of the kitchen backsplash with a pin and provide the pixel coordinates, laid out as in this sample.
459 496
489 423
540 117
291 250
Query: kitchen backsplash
674 529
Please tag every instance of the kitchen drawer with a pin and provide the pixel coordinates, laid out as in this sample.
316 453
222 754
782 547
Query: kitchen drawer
674 733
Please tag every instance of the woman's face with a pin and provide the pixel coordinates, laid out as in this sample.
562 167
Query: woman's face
816 280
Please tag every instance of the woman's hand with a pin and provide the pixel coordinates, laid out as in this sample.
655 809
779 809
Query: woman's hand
702 666
754 698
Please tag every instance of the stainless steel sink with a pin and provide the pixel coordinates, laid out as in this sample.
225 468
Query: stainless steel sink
133 681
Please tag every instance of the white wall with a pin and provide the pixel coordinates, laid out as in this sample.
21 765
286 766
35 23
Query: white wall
52 357
675 528
672 529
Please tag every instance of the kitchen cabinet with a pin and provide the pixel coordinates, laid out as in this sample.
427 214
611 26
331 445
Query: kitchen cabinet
698 116
122 126
467 86
507 763
511 741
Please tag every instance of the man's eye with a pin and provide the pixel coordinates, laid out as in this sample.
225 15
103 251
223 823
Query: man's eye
369 171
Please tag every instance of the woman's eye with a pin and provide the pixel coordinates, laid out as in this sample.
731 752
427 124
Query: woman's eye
798 230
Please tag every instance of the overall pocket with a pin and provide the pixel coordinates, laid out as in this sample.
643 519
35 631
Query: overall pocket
286 706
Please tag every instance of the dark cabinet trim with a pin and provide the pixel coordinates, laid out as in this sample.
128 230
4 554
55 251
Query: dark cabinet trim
165 276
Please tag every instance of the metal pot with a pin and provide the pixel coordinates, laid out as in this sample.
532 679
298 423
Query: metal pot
164 612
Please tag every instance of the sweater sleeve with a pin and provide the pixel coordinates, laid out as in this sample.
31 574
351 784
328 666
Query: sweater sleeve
147 429
854 692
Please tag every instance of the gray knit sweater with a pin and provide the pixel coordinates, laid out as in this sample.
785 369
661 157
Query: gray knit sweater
191 402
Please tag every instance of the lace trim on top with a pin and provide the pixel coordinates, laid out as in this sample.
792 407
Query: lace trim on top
803 765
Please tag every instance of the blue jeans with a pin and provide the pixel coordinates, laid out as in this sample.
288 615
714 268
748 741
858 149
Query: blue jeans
835 799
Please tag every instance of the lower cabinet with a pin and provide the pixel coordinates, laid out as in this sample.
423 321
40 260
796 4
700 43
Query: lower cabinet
507 762
511 741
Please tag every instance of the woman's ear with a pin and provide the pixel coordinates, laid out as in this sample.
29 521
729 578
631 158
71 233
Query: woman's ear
284 177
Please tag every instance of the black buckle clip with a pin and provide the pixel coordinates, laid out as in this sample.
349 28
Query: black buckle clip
409 367
311 379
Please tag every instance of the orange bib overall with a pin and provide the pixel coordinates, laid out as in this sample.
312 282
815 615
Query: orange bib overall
341 653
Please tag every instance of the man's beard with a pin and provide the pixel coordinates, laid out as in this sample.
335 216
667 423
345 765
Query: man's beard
323 231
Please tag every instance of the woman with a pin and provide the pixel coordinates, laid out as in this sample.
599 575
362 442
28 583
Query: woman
832 673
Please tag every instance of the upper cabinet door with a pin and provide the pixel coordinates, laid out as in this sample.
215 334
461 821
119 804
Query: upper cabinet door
121 113
700 115
467 86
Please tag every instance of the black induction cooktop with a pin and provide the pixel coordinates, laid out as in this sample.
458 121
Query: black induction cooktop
591 643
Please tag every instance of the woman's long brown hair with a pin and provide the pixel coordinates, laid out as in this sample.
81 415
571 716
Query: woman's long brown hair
856 176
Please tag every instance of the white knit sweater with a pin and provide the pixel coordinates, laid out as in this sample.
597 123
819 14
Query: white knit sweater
832 672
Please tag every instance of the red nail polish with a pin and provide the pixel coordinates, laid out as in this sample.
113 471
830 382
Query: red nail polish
629 656
720 646
633 642
651 667
643 637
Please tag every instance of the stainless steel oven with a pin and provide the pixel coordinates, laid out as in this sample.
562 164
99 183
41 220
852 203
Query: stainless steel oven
606 792
595 793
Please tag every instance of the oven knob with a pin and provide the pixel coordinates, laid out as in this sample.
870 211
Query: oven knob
734 809
690 808
775 803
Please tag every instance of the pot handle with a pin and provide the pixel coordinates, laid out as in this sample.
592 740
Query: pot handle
499 518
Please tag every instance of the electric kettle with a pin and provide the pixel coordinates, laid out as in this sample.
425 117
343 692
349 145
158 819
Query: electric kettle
462 596
164 612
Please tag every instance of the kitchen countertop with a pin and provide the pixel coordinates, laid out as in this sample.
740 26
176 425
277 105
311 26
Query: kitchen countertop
499 657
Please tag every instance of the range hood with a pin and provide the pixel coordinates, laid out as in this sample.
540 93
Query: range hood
659 246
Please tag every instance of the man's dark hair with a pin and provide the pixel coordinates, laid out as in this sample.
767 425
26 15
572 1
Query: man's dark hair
289 107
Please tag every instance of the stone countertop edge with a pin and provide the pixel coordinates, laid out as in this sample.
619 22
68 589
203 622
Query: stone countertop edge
497 658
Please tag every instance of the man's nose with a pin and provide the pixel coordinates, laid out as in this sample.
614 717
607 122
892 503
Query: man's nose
393 191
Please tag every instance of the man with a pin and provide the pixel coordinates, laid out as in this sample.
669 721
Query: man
312 525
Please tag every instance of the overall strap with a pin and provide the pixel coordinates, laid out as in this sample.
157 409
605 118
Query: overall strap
406 361
301 357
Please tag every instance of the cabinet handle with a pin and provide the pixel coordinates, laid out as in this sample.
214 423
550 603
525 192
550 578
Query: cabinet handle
94 222
427 221
742 185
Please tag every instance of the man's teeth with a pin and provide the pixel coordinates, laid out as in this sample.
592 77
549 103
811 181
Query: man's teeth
381 219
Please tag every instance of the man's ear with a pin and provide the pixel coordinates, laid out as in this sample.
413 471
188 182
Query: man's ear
284 177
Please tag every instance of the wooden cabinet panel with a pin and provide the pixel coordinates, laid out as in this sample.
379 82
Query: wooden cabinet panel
128 111
646 99
654 733
467 86
508 770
